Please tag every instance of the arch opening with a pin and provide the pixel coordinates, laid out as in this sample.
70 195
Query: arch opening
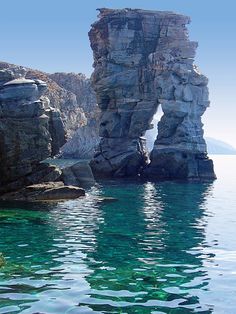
151 134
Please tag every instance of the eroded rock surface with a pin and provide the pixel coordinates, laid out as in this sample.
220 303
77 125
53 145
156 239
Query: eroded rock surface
84 141
80 86
144 59
83 137
28 127
61 99
72 95
79 174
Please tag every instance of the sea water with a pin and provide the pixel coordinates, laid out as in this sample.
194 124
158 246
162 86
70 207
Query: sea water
125 248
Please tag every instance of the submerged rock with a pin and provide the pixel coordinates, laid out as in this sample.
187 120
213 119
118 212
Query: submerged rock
106 200
2 260
144 59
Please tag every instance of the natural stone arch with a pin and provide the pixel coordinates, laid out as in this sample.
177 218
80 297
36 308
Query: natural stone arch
143 59
151 134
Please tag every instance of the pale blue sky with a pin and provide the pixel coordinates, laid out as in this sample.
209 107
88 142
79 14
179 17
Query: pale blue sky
51 35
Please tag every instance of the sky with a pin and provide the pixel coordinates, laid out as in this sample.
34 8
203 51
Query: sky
52 36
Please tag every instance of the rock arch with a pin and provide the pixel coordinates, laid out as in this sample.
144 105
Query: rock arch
143 59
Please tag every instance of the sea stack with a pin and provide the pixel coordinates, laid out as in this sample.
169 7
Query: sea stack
142 60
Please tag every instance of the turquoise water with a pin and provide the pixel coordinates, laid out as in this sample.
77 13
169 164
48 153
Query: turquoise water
157 248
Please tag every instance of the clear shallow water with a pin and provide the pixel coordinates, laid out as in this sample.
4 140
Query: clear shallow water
160 248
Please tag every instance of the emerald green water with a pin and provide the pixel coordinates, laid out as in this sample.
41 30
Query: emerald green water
159 248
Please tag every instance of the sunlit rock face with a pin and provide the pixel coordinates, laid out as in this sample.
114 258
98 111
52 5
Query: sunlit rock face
29 132
62 100
144 59
73 99
82 133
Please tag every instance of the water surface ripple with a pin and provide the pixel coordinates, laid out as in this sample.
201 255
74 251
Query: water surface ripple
159 248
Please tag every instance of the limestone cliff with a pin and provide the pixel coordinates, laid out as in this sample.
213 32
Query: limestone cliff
144 59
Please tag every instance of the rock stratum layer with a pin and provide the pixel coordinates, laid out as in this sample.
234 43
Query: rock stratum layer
144 59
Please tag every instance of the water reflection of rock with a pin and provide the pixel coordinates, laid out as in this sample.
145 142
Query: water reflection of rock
149 249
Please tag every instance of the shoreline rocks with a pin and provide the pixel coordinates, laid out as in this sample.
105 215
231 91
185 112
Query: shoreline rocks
142 60
79 174
25 138
47 191
30 132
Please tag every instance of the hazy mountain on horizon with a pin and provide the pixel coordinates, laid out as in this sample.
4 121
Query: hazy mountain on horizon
219 147
214 146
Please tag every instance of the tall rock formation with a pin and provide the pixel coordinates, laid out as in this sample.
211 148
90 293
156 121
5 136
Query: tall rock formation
29 130
144 59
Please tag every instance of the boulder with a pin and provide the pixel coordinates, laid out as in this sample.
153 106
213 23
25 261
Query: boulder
22 89
83 143
79 174
48 191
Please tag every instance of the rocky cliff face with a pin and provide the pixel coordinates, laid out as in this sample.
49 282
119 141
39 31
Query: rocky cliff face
86 137
29 130
84 141
80 86
144 59
60 98
73 95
